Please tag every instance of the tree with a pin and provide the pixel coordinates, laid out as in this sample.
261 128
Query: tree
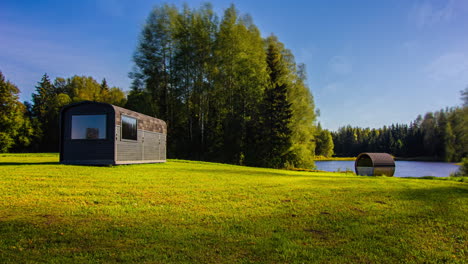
323 142
239 81
49 99
154 75
303 118
449 142
442 135
276 111
153 62
208 79
41 99
44 90
105 89
464 98
15 129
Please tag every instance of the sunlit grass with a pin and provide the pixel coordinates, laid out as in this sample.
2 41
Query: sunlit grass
191 212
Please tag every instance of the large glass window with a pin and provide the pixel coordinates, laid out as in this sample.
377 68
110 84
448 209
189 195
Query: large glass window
129 128
88 127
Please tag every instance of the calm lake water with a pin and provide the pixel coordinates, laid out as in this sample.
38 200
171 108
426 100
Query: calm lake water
402 169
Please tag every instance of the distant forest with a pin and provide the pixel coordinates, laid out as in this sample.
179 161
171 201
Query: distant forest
227 94
442 135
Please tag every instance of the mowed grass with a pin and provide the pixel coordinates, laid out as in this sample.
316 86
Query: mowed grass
197 212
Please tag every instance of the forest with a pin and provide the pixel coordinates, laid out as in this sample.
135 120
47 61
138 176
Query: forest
442 135
227 94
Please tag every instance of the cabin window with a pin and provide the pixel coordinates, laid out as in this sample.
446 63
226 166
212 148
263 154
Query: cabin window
129 128
88 127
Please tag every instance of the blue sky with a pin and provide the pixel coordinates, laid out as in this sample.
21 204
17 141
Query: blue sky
369 63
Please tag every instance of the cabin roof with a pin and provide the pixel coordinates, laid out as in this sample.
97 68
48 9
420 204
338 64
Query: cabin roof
146 122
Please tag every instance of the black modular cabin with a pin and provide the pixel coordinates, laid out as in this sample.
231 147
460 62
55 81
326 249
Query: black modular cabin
93 133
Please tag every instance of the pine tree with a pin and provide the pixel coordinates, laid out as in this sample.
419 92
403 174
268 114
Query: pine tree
40 109
276 114
44 90
104 91
464 97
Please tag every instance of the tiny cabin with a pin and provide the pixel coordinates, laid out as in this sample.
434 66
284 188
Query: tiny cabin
375 164
93 133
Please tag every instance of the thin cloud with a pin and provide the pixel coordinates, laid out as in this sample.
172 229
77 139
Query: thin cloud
449 66
427 14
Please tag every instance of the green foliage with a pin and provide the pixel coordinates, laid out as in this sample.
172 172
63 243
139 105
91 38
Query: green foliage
464 97
323 143
15 128
198 212
442 135
274 126
239 81
303 117
82 88
49 99
208 79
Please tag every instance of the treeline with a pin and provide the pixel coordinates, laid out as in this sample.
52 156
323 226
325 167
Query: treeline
33 126
442 135
227 94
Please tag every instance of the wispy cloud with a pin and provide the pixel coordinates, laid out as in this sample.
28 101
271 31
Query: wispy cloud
449 66
428 13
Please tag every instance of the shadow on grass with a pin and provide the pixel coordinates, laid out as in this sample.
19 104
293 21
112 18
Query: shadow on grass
27 163
234 172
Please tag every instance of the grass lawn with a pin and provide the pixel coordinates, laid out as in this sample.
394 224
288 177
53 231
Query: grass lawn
192 212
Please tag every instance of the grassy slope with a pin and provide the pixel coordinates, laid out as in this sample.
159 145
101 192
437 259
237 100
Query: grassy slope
204 212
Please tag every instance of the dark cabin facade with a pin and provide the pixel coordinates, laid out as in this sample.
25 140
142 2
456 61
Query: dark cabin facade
375 164
93 133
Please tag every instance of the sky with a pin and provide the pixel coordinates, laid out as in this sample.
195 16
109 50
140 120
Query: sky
369 63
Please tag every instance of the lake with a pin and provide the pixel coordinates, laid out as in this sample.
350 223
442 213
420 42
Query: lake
402 169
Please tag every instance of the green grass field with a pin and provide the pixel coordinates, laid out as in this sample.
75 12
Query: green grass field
193 212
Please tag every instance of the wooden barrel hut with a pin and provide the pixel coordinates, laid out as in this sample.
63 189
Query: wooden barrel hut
375 164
